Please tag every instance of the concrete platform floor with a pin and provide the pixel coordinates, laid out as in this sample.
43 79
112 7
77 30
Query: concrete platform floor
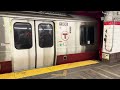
95 71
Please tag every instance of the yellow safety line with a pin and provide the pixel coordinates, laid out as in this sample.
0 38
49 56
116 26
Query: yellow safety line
27 73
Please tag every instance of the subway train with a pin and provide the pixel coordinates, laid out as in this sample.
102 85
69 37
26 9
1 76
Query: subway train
30 40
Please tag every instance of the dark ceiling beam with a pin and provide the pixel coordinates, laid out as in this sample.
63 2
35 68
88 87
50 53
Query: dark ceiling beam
93 14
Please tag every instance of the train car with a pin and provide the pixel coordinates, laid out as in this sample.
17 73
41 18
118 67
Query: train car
111 37
31 40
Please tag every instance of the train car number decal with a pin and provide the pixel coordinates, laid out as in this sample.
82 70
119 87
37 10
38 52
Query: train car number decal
63 24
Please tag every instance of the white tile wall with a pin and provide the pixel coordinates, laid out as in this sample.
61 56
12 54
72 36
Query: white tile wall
115 37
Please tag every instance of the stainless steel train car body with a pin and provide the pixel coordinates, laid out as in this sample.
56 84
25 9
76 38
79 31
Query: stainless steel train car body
65 40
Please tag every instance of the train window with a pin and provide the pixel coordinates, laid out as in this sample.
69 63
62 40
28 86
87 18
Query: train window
45 35
86 35
22 35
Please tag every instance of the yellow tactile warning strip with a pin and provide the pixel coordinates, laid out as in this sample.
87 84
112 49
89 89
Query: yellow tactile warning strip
27 73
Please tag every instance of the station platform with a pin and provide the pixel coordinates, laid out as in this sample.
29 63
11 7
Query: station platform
90 69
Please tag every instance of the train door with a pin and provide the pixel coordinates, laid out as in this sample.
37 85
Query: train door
44 43
23 45
33 44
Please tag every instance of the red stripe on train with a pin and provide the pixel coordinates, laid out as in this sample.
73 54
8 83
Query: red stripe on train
76 57
112 23
5 67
